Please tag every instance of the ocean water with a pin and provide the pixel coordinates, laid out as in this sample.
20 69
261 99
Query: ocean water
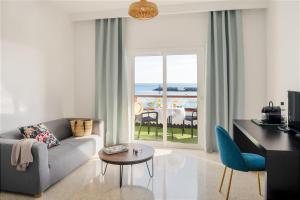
190 101
149 89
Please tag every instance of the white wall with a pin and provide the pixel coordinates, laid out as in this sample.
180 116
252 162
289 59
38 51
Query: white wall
254 33
84 69
37 64
283 67
175 31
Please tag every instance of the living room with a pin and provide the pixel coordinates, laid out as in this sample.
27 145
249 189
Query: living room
186 89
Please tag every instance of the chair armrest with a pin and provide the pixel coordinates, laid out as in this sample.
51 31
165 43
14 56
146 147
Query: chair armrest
150 112
34 180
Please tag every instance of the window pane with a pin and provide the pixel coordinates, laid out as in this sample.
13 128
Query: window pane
182 98
148 97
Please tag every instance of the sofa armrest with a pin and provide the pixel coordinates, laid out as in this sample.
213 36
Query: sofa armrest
98 129
34 180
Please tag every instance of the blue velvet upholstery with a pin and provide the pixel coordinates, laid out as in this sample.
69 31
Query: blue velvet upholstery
232 157
254 162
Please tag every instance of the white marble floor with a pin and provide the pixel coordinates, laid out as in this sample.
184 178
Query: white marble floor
178 174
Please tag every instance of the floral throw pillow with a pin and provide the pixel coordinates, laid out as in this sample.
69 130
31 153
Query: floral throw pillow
41 133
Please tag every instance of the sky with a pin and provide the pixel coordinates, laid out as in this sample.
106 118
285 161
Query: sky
180 69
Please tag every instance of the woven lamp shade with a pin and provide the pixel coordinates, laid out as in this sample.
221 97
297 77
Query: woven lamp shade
143 10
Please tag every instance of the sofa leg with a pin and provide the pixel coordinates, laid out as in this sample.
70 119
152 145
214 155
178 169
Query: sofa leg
38 195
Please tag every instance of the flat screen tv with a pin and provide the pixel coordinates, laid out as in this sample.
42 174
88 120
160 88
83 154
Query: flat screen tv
294 110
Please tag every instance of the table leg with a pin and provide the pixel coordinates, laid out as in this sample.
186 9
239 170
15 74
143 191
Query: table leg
103 173
150 174
121 175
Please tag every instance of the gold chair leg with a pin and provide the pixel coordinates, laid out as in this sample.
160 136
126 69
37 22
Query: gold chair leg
259 187
228 190
222 180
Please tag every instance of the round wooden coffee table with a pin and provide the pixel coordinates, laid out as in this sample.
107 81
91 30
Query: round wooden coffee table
128 158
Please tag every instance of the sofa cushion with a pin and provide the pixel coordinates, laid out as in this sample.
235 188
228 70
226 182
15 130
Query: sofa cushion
30 131
72 153
41 133
60 128
47 138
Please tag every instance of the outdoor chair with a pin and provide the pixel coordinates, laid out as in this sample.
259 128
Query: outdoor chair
191 119
146 117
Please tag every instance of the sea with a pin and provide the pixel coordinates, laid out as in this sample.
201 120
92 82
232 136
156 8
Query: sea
190 101
149 89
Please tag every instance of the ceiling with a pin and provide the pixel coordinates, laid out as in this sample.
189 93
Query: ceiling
80 6
97 9
84 6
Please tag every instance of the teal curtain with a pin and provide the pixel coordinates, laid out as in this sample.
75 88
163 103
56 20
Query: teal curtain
224 74
112 94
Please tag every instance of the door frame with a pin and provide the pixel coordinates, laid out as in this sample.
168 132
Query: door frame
200 52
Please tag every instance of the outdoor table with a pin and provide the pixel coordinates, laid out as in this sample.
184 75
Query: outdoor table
176 114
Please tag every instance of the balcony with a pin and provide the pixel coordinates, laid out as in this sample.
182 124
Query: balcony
178 107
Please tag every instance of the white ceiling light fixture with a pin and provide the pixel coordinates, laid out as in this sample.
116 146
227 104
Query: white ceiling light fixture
143 10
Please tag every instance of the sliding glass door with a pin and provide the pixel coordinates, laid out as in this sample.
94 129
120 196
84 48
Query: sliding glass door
182 98
166 98
148 98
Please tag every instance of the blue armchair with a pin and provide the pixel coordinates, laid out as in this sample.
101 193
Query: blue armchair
232 158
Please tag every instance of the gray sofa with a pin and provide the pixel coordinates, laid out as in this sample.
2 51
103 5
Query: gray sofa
49 165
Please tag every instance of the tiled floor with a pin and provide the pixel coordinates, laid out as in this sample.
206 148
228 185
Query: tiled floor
178 174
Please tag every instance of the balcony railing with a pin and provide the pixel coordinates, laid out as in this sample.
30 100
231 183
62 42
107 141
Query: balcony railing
168 96
153 101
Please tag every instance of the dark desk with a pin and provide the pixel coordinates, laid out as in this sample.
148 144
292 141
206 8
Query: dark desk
282 153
